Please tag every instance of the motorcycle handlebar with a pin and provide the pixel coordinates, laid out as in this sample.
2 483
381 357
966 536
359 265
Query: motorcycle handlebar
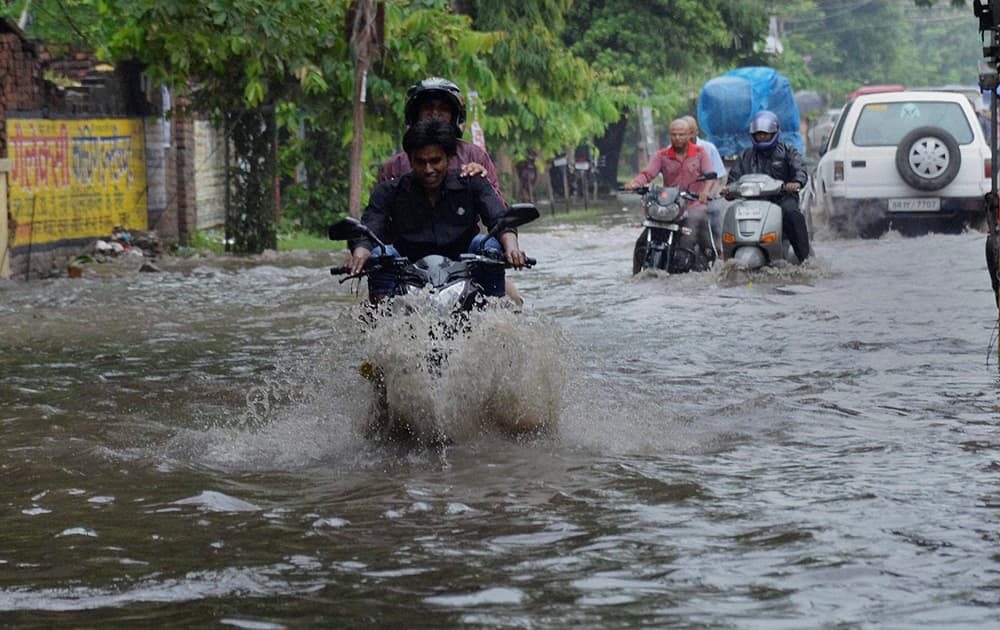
344 271
641 190
528 262
734 194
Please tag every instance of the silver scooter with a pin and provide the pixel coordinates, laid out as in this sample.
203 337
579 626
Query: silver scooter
751 227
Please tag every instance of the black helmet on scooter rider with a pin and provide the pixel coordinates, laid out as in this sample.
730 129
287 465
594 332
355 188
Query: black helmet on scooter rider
435 87
765 121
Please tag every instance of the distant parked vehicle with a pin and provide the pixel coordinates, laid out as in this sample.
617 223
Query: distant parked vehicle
821 130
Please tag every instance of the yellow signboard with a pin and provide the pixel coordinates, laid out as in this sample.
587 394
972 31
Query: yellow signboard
75 178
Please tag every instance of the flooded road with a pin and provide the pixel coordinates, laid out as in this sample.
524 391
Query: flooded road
810 448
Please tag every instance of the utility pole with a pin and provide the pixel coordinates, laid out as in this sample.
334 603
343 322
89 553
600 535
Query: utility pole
365 21
988 12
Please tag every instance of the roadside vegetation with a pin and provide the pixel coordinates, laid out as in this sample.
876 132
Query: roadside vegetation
548 75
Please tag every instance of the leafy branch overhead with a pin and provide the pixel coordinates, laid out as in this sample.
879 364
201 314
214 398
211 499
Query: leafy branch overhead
549 73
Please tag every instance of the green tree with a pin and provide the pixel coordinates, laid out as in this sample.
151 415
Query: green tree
660 53
544 97
226 57
836 46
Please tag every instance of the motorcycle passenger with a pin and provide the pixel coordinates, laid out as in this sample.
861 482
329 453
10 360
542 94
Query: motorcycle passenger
681 164
782 161
440 98
716 206
432 210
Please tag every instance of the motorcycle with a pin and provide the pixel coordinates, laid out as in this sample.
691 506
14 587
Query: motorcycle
446 289
667 241
752 232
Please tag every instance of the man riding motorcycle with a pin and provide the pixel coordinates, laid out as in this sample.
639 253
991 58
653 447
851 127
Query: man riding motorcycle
436 97
681 164
432 210
440 98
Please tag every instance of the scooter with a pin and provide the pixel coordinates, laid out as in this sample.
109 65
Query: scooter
669 240
752 233
446 289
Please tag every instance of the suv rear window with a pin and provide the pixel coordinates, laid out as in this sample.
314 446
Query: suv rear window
885 124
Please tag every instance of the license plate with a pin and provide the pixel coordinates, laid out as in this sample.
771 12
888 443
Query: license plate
744 212
915 204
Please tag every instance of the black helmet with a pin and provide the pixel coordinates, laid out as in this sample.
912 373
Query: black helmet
435 86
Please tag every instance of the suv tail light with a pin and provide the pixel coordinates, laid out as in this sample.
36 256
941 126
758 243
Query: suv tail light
988 168
838 171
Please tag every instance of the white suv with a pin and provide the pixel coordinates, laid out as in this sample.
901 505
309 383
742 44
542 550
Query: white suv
915 160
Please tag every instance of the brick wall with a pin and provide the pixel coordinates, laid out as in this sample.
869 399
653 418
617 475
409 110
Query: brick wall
21 83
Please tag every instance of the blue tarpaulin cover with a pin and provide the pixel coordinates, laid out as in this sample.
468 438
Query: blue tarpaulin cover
727 103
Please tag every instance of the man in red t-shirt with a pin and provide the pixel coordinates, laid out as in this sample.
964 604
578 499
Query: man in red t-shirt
681 164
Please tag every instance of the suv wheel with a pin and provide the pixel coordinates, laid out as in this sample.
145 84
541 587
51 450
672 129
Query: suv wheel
869 219
928 158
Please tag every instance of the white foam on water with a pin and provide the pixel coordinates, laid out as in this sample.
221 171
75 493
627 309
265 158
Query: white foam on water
731 273
507 372
213 501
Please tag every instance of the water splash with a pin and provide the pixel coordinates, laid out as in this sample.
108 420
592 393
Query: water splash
731 273
456 377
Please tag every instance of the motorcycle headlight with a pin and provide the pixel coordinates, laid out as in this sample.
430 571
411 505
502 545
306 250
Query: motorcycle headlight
668 212
449 296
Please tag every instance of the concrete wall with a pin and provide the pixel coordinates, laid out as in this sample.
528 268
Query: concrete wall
209 173
55 207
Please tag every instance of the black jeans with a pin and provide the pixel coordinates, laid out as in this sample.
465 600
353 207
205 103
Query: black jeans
793 224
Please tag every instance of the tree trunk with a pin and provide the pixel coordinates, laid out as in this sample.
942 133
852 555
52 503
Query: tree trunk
357 140
366 20
610 147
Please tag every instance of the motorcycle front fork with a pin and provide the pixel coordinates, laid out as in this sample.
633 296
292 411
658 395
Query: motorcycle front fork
659 257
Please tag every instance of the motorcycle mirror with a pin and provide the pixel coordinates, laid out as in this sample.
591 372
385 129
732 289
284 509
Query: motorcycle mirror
349 227
517 214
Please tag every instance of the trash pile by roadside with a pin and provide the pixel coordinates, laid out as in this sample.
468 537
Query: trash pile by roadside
128 243
123 244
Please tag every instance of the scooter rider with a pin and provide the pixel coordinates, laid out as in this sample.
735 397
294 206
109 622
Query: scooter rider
782 161
432 210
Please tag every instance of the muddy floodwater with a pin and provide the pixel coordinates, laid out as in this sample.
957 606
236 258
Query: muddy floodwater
813 447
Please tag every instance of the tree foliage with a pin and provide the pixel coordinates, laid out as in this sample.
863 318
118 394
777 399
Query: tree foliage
549 73
835 46
545 96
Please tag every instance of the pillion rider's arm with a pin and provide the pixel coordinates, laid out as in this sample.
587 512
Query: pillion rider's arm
468 152
395 167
